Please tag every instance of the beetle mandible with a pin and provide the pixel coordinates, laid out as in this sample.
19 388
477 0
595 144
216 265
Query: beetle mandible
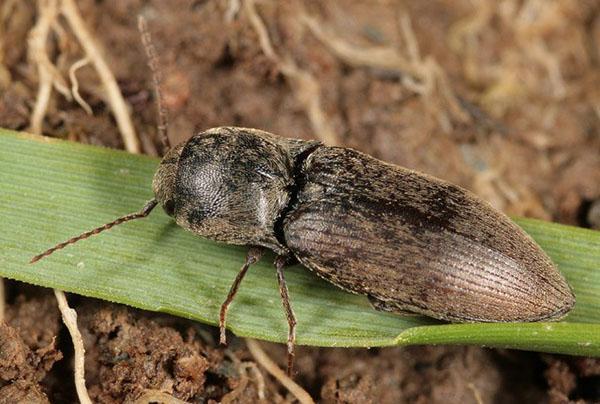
410 242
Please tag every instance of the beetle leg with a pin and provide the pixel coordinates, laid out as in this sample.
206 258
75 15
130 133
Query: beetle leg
380 305
253 256
280 263
390 307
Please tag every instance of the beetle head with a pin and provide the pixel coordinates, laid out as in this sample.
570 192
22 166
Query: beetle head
163 183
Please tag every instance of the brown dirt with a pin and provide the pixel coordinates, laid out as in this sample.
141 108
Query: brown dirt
28 349
526 76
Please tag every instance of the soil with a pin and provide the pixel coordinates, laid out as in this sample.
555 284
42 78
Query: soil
521 128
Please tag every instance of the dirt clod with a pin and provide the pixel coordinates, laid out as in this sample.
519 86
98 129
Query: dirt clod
561 381
135 354
21 368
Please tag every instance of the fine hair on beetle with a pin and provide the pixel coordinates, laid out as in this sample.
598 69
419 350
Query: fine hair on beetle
411 243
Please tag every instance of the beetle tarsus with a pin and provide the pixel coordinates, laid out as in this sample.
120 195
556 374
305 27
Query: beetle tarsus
280 263
253 256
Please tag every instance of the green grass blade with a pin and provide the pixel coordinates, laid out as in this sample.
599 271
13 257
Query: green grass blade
52 190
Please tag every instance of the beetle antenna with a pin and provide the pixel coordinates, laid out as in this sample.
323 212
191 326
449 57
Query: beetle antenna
154 65
138 215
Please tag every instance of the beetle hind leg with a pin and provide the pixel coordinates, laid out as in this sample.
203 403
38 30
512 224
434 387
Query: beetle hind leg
253 256
280 263
382 305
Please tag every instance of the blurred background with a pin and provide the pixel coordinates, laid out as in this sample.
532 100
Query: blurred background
500 97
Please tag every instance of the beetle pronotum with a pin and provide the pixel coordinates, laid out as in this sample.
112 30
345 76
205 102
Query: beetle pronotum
410 242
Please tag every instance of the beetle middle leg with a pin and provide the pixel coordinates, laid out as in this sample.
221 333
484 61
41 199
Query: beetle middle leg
253 256
280 263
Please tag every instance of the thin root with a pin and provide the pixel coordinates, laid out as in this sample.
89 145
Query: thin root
115 98
7 10
380 57
37 52
37 44
305 86
423 76
242 368
41 103
233 8
539 51
263 359
234 394
476 393
260 380
69 317
75 84
157 396
2 300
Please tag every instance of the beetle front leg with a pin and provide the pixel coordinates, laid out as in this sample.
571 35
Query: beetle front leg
280 263
253 256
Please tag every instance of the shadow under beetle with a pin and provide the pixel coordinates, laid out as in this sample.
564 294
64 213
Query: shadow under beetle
410 242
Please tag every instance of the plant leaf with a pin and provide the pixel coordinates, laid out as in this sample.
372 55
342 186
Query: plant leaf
53 190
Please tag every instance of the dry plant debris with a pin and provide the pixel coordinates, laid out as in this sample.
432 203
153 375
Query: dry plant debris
47 72
75 84
423 76
157 396
69 317
263 359
303 83
114 96
49 76
243 368
2 300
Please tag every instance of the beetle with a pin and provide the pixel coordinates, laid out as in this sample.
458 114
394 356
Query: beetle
412 243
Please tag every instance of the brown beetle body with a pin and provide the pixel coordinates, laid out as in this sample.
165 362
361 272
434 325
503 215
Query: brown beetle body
410 242
414 243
